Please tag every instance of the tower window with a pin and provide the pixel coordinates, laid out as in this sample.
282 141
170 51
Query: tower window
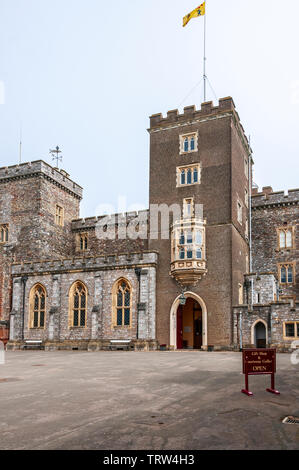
286 237
188 175
59 216
4 233
287 273
189 143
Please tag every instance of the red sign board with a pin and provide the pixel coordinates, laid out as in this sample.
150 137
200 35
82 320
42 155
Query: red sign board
259 361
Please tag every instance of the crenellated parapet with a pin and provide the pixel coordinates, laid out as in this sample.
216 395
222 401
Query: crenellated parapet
268 198
83 264
191 115
42 169
126 218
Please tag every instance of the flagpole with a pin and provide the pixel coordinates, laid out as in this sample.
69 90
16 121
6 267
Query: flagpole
204 55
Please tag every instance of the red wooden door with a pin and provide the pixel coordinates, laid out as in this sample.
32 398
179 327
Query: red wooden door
179 328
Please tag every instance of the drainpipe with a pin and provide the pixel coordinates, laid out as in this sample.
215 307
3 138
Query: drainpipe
241 332
250 210
138 274
24 280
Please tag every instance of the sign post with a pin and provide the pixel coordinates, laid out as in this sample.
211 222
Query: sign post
259 362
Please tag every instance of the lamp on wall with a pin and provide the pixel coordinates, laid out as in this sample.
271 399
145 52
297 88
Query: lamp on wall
183 299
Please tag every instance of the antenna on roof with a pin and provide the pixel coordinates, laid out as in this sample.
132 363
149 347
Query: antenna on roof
56 155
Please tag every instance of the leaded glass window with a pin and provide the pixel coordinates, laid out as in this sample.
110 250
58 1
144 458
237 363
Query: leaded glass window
186 145
286 238
195 175
38 307
287 274
123 301
183 177
290 330
79 305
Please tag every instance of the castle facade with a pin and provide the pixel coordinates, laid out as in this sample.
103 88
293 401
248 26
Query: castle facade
211 265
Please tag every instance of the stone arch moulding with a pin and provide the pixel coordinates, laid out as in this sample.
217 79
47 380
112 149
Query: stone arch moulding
253 338
173 319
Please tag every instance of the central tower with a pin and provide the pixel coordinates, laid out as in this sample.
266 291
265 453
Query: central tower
201 157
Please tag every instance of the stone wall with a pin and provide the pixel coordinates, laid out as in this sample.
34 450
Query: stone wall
273 316
99 275
270 212
28 196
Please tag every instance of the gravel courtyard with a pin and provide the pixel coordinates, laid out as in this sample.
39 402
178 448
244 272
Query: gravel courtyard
155 401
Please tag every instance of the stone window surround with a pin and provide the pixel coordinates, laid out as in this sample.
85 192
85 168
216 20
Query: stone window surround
186 202
114 325
71 306
291 338
59 213
4 229
287 264
31 308
285 229
182 140
186 168
246 197
79 236
239 211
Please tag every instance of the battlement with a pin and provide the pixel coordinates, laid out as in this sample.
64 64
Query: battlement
40 168
269 198
89 263
226 105
118 219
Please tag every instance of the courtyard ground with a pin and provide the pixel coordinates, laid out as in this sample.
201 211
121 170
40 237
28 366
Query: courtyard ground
157 400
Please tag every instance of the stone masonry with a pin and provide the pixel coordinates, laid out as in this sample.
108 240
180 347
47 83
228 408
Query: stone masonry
235 308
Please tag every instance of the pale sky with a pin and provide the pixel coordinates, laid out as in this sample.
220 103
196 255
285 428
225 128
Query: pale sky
86 75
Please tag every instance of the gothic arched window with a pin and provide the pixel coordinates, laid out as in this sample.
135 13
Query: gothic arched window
78 305
122 301
37 306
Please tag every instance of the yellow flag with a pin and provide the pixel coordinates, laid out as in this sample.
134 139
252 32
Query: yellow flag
199 11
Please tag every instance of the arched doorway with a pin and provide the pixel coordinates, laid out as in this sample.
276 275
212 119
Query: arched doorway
188 323
260 334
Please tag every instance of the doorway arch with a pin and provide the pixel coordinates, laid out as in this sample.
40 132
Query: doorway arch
259 334
173 319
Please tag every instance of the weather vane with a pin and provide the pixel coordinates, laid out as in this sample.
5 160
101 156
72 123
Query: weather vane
56 155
